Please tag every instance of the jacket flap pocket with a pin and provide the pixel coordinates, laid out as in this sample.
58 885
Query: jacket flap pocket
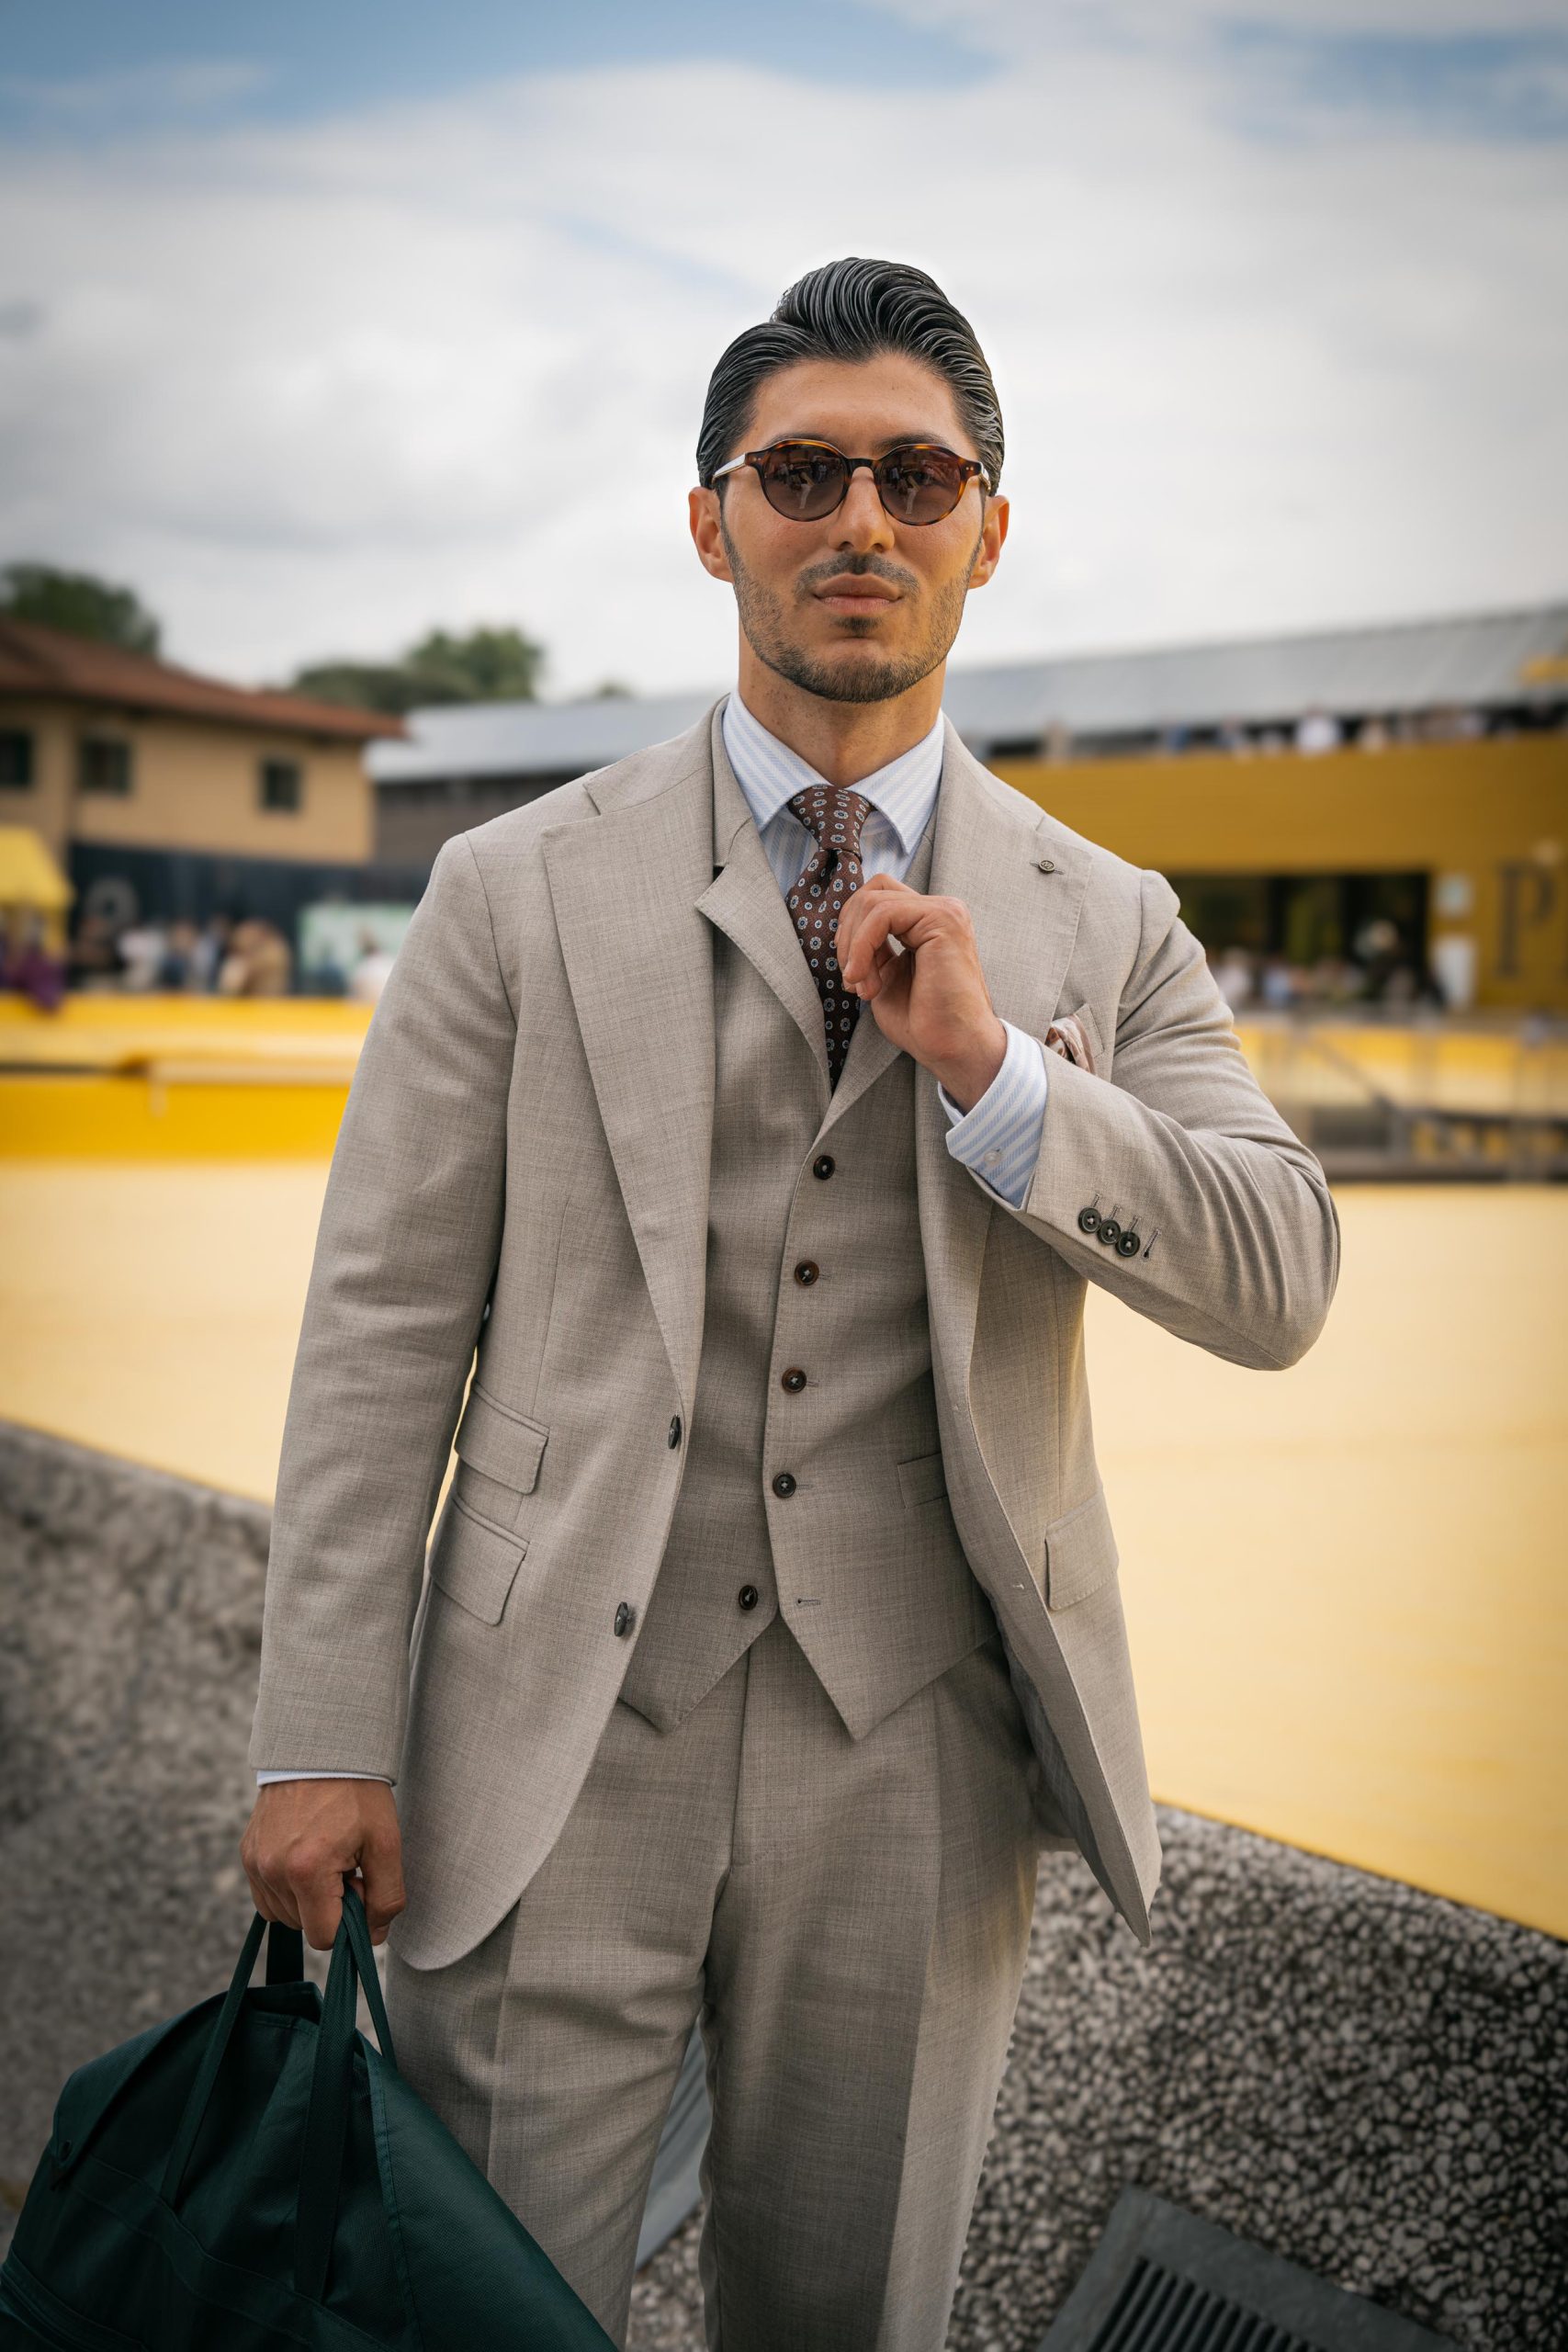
473 1563
923 1478
1080 1552
499 1443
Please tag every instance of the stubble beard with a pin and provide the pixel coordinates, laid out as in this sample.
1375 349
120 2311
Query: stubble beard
764 622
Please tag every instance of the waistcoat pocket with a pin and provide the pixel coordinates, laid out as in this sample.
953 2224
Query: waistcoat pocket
923 1478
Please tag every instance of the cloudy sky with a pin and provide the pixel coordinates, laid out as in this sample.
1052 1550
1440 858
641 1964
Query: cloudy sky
325 322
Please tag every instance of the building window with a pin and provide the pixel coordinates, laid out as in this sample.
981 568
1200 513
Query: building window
282 784
103 763
16 757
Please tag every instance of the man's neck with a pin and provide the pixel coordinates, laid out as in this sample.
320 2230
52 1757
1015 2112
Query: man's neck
843 740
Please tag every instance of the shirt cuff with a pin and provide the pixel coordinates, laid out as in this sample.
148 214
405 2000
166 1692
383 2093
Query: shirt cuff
262 1778
998 1138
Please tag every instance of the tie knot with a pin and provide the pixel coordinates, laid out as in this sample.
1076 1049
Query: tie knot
834 813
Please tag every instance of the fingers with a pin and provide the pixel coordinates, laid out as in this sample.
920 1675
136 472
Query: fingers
382 1862
320 1908
868 922
271 1896
272 1902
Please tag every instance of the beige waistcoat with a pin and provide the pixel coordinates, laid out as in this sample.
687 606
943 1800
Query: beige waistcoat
862 1558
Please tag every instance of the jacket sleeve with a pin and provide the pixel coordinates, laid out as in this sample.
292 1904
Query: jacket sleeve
405 1256
1238 1238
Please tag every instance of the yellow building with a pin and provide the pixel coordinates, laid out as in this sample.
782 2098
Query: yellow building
1463 846
185 788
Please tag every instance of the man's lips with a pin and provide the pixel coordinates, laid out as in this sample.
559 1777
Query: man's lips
852 593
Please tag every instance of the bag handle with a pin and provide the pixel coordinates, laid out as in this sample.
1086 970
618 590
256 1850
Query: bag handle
332 2090
285 1965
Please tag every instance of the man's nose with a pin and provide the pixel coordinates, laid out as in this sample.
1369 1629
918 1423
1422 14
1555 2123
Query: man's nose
863 522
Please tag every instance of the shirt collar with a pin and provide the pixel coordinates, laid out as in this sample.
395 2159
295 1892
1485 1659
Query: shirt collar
767 772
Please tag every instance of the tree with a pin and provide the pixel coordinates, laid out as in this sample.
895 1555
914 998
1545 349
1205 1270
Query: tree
79 604
487 665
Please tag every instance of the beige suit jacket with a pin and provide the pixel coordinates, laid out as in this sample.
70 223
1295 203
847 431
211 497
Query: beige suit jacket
527 1136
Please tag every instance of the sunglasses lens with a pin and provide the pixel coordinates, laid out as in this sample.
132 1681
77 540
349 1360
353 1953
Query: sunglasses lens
802 481
920 485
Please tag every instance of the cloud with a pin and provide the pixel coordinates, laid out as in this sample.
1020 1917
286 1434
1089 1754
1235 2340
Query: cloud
317 387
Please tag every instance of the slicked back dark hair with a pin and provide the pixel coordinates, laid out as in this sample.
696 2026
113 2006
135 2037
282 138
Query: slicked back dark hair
853 309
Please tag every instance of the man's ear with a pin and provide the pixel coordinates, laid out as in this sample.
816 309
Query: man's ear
993 531
707 533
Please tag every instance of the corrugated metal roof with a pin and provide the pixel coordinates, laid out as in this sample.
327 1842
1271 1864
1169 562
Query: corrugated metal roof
534 738
1476 661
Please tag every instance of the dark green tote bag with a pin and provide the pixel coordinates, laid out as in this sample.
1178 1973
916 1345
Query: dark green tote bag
255 2175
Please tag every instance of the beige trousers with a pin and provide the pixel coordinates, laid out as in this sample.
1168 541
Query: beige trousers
850 1920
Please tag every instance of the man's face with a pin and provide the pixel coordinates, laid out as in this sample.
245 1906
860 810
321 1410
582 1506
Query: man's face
858 607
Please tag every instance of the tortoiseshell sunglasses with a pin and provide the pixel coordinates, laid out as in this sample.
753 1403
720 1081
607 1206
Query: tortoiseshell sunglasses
919 482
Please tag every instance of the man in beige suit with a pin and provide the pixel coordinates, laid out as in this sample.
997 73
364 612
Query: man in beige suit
757 1109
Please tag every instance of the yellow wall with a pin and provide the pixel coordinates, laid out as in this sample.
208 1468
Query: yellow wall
1494 810
194 787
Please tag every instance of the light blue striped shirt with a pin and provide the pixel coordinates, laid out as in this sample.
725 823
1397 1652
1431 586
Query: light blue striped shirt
998 1138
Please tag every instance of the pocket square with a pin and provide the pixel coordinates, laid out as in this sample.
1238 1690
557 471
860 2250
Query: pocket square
1065 1036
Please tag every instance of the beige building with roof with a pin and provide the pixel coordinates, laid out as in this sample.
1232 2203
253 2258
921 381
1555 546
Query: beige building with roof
99 746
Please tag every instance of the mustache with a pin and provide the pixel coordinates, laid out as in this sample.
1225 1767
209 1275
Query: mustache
838 567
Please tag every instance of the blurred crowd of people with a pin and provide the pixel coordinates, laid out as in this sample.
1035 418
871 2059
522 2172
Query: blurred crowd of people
225 955
1315 730
221 956
1381 971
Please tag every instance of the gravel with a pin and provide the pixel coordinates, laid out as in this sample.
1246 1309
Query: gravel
1364 2077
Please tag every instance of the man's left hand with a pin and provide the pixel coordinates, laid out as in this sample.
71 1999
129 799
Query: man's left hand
931 1000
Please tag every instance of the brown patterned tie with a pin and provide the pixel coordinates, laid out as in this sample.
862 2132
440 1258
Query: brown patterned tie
834 814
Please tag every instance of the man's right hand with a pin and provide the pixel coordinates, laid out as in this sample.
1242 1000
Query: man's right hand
305 1836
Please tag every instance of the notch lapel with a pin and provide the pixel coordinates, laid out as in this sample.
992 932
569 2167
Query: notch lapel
744 899
638 960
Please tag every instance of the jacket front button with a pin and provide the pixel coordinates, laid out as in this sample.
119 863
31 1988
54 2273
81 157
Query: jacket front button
1129 1242
807 1270
675 1431
784 1482
747 1596
794 1380
823 1166
625 1618
1110 1231
1088 1220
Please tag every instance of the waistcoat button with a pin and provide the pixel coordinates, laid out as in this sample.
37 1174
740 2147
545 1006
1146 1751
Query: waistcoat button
807 1270
794 1380
626 1617
748 1596
823 1166
675 1431
784 1482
